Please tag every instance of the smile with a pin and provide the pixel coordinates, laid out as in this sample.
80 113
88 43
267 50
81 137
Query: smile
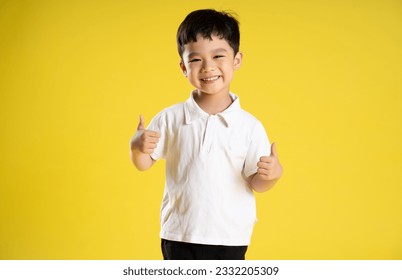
210 79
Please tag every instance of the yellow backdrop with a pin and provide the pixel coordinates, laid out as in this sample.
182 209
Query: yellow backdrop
324 77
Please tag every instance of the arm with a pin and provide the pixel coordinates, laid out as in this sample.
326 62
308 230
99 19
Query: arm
142 146
259 184
268 173
141 161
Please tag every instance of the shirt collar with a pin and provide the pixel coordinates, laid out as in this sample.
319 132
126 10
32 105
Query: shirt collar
193 112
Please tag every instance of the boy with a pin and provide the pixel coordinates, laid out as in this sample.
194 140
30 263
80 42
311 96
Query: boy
216 153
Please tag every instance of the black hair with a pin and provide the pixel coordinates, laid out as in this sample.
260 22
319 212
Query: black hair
206 23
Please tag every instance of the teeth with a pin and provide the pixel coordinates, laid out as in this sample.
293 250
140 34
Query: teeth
211 79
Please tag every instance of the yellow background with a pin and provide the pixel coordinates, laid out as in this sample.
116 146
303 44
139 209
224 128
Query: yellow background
324 77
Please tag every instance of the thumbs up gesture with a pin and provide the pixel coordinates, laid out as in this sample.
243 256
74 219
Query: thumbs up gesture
145 141
269 167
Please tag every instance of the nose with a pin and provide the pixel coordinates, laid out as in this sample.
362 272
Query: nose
207 66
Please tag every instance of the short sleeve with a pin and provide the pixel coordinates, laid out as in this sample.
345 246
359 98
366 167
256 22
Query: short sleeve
158 124
259 146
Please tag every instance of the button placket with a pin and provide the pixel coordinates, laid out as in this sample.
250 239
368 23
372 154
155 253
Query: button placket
209 133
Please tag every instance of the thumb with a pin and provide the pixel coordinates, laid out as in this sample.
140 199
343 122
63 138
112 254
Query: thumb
274 152
141 125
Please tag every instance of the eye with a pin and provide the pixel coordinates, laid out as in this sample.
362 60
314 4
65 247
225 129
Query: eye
194 60
219 56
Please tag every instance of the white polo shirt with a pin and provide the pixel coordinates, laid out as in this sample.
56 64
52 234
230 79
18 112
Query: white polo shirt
206 198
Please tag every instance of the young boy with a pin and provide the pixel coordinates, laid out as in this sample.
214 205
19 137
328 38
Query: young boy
216 153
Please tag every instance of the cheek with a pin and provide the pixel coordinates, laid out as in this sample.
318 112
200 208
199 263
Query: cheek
227 67
192 75
191 70
228 70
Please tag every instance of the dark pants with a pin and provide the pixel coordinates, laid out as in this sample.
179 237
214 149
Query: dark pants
173 250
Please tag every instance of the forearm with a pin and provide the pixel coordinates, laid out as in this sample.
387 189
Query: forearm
140 160
261 185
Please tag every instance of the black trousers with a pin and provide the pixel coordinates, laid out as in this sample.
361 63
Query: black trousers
173 250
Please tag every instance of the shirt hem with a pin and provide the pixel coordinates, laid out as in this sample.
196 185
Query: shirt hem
198 240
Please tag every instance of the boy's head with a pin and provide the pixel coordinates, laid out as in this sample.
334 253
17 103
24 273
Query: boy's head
208 44
206 23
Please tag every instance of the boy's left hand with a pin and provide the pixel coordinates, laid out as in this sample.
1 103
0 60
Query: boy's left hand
269 167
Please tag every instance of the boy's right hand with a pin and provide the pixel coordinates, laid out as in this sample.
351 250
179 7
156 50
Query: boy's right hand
145 141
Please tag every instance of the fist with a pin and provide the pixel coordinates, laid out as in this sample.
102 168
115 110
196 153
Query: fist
145 141
269 167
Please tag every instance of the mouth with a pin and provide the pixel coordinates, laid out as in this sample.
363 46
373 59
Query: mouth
210 79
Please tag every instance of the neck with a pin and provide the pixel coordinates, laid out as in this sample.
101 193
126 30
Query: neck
212 103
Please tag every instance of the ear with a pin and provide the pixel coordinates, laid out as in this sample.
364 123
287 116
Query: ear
183 68
237 60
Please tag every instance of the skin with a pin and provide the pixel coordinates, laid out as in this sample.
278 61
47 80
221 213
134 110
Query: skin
209 66
143 145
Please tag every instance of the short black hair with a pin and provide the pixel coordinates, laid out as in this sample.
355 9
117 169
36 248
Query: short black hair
208 22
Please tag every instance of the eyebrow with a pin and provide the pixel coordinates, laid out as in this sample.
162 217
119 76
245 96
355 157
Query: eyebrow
213 51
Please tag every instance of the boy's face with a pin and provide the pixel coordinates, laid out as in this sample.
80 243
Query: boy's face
209 64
